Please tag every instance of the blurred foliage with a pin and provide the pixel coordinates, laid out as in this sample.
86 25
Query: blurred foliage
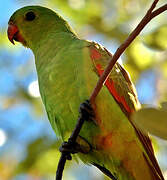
157 39
31 151
152 120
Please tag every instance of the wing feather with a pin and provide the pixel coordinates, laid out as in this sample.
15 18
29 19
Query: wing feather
123 91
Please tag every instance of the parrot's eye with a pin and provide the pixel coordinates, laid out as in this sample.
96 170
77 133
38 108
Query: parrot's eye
30 16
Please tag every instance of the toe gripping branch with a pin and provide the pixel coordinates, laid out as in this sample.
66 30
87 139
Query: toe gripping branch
71 146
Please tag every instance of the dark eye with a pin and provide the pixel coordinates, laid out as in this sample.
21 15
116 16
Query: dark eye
30 16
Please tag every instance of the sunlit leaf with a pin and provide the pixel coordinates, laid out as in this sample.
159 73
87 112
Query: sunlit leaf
152 120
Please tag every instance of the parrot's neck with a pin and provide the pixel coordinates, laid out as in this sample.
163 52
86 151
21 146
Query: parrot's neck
53 39
46 49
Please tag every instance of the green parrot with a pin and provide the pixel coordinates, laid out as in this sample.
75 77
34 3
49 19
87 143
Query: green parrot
68 69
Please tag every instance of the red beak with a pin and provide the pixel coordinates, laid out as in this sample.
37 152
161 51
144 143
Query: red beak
12 32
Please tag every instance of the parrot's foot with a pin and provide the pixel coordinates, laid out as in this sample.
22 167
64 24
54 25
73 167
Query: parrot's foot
69 147
72 146
86 111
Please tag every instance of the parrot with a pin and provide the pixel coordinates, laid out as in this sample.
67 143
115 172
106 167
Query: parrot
68 69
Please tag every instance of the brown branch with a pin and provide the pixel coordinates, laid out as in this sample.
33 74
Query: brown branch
158 11
152 7
148 17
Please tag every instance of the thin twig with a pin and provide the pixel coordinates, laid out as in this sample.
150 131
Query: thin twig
149 16
158 11
152 7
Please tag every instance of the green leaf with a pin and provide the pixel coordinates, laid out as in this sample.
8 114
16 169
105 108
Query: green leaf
152 120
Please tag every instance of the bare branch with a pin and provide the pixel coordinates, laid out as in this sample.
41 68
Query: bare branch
158 11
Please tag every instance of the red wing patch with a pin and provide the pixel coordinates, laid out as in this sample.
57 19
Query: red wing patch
111 87
95 54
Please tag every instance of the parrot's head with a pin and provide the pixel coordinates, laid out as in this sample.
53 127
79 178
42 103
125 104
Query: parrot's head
31 24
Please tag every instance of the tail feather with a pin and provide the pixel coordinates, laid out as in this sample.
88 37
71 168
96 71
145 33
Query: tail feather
105 171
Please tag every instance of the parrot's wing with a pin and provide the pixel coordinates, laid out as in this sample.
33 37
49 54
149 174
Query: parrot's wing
123 91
